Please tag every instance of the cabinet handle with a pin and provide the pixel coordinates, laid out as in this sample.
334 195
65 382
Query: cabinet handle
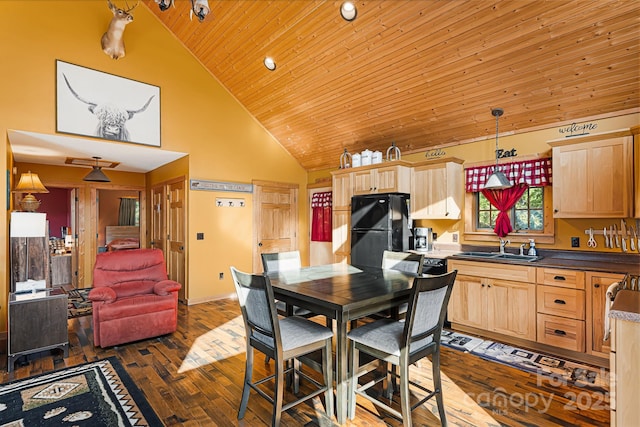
596 285
555 211
559 332
559 301
559 278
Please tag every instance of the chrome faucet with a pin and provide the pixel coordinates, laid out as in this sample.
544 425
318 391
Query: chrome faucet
503 243
522 249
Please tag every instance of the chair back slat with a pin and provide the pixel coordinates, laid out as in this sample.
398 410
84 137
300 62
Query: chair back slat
402 261
281 261
255 296
427 308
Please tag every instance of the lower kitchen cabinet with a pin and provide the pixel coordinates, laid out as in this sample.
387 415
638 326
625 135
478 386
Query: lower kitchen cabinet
482 298
597 285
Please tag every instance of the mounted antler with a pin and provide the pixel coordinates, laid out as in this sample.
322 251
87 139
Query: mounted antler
112 43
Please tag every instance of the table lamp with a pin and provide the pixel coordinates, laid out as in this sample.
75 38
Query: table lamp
30 183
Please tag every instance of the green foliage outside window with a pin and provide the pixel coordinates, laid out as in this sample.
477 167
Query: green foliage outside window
527 214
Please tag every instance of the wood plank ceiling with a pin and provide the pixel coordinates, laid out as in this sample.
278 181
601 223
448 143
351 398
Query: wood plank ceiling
424 74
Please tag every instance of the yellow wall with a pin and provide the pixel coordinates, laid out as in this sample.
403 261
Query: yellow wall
198 116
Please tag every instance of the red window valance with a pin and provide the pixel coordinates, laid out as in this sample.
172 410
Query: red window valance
535 173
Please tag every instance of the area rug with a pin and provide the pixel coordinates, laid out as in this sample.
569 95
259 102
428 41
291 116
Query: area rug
553 368
79 304
93 394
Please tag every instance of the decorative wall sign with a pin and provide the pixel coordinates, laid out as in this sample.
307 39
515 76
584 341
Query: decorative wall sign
503 154
93 103
435 154
577 130
199 184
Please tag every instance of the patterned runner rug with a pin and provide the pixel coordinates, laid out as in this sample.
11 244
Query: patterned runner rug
79 305
93 394
561 370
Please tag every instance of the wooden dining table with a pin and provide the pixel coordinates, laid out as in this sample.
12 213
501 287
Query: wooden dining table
343 293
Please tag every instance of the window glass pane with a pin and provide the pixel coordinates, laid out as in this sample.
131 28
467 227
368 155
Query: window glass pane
483 220
483 202
535 220
535 197
523 202
522 220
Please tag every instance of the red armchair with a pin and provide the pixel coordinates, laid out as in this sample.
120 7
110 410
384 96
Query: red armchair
132 298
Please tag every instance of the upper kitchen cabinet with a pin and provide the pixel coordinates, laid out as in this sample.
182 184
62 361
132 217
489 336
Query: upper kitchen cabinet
342 190
636 155
437 189
392 177
593 176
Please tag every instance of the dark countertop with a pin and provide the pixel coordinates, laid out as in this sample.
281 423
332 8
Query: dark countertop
626 306
607 262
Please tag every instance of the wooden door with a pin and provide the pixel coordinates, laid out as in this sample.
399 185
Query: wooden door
342 192
158 213
176 237
275 219
363 182
468 302
341 235
597 285
512 308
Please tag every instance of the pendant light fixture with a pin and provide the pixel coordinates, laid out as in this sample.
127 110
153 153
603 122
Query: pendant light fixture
96 174
497 180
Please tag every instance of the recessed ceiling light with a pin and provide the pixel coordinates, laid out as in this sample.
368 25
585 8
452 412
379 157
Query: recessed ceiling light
348 11
269 63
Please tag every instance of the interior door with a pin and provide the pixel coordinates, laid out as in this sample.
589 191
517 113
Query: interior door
275 219
158 212
176 227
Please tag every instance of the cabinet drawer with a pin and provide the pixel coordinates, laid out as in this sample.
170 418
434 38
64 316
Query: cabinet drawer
561 332
561 302
558 277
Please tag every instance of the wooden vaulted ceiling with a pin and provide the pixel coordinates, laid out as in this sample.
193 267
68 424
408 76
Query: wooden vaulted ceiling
422 74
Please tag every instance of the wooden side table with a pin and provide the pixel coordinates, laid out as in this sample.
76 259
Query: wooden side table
37 322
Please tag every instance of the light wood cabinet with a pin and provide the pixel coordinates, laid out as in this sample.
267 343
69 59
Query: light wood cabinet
492 299
341 215
597 285
381 179
624 373
593 176
437 189
636 168
561 308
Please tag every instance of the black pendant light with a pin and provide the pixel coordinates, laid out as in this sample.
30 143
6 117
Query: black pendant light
497 180
96 174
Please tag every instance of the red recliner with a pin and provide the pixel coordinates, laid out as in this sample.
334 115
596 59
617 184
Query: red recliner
132 298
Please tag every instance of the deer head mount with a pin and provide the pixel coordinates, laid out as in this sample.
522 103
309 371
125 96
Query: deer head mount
112 43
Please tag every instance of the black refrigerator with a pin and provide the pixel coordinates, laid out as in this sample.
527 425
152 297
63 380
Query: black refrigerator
379 222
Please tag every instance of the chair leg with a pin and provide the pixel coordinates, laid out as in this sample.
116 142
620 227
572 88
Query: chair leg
437 387
278 393
405 402
248 375
354 364
327 356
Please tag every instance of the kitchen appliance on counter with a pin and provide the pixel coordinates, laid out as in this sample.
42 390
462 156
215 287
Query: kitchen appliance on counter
379 222
422 239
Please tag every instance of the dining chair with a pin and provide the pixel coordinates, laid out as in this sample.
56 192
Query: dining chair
406 262
282 339
402 343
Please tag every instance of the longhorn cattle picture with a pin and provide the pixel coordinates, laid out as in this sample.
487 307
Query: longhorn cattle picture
97 104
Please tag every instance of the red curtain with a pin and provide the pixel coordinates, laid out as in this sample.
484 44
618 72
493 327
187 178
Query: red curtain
321 222
503 200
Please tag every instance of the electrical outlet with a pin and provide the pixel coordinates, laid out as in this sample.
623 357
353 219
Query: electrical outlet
221 276
434 236
454 237
575 242
199 236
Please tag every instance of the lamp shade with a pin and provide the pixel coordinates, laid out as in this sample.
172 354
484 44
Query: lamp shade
30 183
96 175
497 181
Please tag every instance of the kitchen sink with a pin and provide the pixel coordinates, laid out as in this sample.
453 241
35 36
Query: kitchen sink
499 256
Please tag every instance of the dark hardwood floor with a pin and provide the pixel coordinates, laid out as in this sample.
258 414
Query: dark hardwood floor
194 378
